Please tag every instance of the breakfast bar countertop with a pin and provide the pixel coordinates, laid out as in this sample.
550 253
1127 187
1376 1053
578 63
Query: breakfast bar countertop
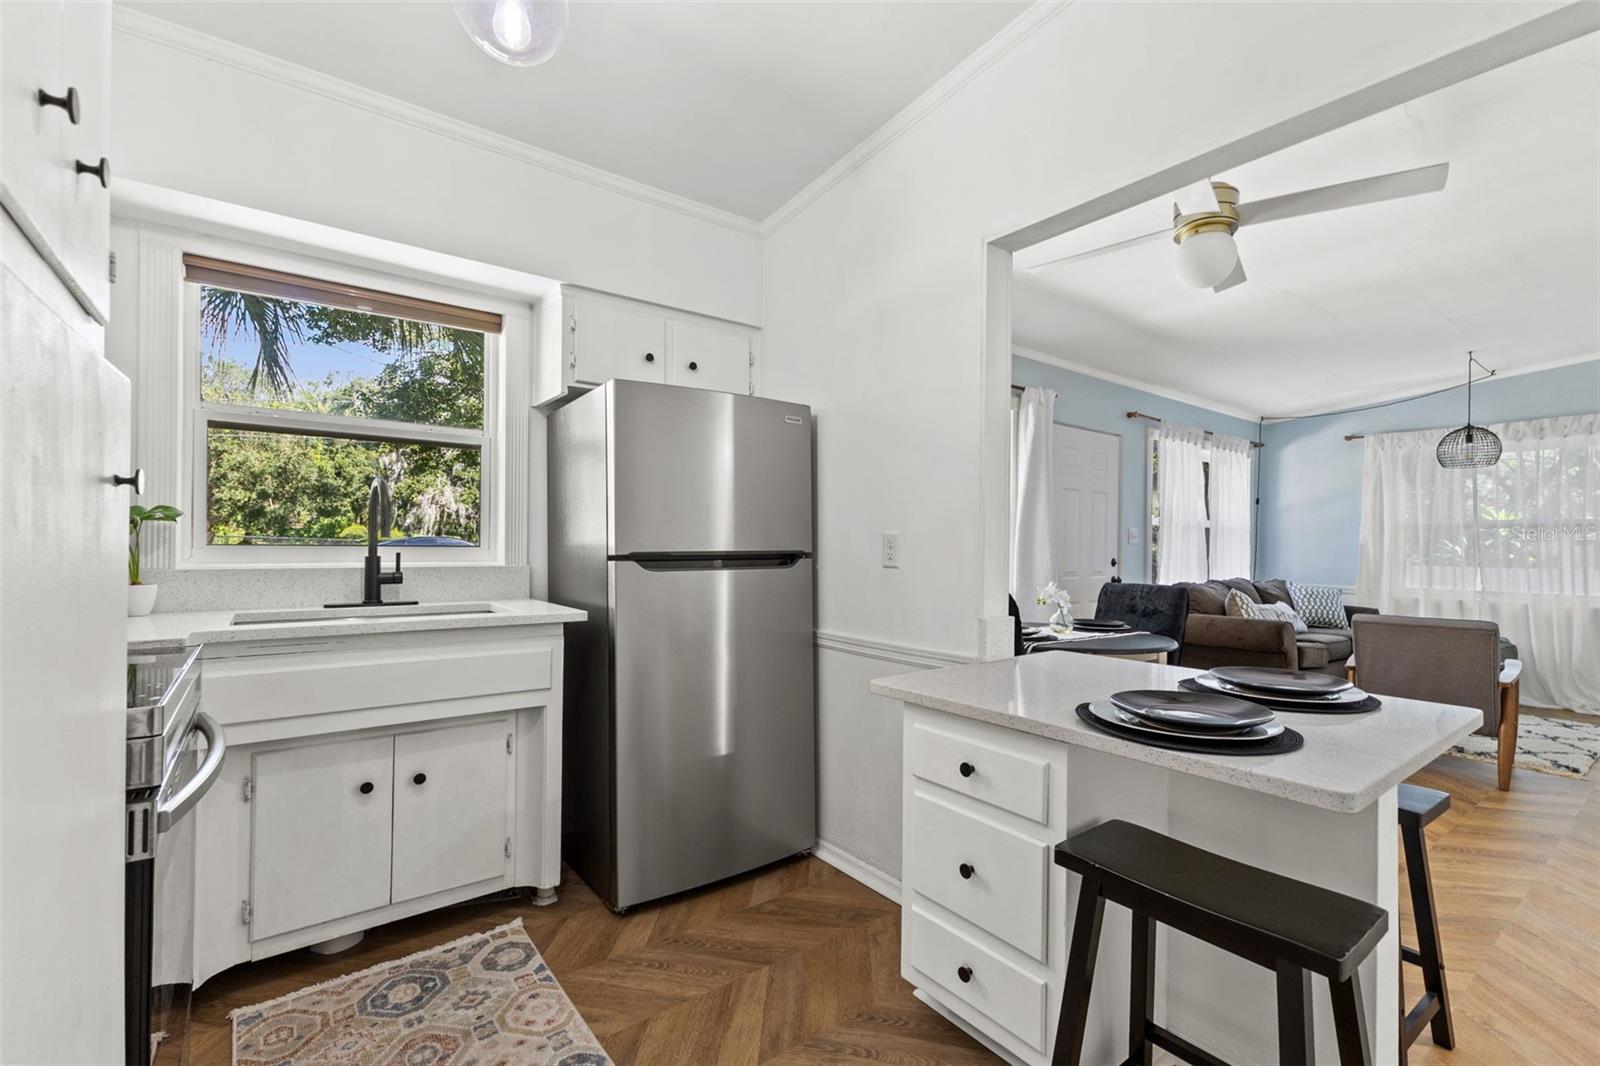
159 631
1347 763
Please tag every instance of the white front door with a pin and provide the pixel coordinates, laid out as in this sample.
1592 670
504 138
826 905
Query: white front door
1087 473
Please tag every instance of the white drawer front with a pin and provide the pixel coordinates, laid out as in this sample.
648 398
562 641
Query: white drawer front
1013 782
1013 999
1007 892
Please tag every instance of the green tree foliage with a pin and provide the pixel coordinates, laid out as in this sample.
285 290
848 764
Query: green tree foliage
267 486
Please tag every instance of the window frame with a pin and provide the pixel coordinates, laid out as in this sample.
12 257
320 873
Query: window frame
496 494
1152 524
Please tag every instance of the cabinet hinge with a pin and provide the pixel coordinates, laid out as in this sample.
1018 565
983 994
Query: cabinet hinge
111 267
508 743
249 788
508 847
246 912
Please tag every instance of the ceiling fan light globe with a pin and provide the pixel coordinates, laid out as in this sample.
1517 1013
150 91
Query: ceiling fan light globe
1205 259
519 33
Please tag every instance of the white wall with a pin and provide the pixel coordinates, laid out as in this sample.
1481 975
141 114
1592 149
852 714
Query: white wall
874 291
192 122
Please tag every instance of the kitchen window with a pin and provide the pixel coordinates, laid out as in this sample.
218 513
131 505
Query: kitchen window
303 390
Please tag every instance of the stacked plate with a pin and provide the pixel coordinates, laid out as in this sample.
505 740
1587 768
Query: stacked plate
1296 690
1202 720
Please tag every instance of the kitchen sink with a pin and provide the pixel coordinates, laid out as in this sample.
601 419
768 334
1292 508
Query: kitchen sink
355 614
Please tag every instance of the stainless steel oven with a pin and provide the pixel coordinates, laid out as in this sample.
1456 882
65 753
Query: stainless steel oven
175 752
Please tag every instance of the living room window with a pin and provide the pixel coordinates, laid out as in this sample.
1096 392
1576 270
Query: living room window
302 390
1155 504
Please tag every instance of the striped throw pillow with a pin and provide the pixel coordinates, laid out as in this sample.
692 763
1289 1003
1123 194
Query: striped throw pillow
1319 605
1241 606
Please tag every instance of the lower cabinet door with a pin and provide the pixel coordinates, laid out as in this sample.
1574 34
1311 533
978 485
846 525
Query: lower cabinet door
320 838
452 807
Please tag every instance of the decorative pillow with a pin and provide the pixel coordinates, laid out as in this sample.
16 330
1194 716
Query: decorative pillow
1241 606
1319 605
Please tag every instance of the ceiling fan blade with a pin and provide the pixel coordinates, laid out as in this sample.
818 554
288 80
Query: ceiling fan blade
1235 278
1400 184
1103 249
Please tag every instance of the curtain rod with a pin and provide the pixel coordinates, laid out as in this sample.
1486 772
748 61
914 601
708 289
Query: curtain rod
1156 419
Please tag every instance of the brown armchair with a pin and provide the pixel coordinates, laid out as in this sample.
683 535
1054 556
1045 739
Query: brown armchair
1443 660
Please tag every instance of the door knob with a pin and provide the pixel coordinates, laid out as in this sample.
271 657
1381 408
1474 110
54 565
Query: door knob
366 788
136 479
419 779
101 170
67 102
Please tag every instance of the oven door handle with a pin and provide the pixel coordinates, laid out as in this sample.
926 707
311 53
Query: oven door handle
170 809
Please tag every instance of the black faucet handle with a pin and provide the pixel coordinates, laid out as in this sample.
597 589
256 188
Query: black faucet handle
394 577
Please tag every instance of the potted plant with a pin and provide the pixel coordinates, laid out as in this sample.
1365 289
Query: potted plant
142 597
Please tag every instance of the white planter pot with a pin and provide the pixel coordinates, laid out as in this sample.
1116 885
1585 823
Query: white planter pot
141 600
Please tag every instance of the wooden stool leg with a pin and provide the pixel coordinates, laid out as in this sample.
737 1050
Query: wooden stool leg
1296 1039
1350 1023
1080 975
1142 991
1506 742
1429 947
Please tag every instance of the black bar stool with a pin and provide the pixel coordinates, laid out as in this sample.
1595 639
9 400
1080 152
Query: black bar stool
1418 806
1290 927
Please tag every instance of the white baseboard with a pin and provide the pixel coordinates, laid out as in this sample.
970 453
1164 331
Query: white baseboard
859 869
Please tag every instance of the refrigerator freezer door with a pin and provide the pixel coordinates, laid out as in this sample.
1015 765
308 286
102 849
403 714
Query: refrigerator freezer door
697 471
715 723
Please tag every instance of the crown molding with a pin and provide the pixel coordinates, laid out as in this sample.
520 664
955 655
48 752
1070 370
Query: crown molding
990 52
171 35
1143 386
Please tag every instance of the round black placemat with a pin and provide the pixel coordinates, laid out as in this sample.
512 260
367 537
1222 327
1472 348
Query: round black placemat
1371 703
1285 742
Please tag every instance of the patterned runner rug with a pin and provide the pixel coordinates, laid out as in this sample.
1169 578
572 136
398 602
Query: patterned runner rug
484 999
1548 745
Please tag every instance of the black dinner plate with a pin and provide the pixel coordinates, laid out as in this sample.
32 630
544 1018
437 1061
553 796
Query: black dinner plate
1274 679
1109 625
1193 712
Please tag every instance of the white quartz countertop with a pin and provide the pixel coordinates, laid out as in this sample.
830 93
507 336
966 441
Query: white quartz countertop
157 631
1348 760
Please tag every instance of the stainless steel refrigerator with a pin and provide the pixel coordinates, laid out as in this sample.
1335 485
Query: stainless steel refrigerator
680 519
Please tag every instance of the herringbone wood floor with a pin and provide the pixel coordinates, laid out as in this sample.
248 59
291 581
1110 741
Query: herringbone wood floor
799 964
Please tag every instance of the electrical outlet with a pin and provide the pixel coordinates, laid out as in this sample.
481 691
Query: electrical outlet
891 551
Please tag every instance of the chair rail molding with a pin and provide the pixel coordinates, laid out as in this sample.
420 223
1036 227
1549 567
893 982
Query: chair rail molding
885 651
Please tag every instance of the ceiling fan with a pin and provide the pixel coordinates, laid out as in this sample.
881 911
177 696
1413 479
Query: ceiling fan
1207 256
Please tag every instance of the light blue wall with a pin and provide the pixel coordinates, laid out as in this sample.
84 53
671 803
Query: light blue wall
1311 476
1090 403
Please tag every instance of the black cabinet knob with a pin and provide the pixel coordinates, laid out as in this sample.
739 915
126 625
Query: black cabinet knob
967 769
366 788
649 357
965 973
136 479
966 870
694 366
418 779
101 170
67 103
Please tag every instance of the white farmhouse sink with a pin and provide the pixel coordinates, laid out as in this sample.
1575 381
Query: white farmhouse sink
353 614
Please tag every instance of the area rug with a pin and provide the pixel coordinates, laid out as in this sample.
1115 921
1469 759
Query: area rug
484 1000
1548 745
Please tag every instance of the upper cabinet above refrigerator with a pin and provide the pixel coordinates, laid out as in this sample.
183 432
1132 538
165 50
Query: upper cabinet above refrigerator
55 63
611 339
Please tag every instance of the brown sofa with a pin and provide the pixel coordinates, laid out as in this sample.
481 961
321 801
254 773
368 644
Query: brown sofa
1212 638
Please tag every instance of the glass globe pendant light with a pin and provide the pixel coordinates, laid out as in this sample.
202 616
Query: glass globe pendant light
1469 446
521 33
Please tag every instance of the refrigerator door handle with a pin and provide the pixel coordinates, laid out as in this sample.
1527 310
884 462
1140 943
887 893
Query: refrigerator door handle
669 561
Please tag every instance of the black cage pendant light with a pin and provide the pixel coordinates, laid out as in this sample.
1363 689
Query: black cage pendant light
1470 445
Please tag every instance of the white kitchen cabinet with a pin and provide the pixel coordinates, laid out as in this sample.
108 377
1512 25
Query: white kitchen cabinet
705 358
609 338
610 341
320 842
62 49
452 808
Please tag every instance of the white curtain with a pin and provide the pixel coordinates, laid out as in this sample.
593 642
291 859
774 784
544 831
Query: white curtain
1033 539
1229 492
1181 494
1517 543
